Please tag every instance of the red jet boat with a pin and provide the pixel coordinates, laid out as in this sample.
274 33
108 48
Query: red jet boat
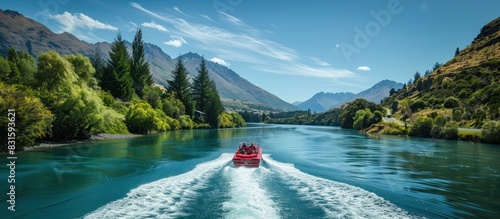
247 156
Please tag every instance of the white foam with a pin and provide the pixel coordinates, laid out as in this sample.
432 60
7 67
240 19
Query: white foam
337 200
248 198
164 198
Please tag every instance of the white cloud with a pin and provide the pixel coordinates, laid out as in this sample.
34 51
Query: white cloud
274 26
206 17
80 25
79 20
246 44
220 61
337 45
154 25
320 62
364 68
176 41
232 19
179 10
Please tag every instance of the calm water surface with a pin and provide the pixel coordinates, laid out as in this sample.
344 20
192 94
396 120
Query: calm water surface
307 172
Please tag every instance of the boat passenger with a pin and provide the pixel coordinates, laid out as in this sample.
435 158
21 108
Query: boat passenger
245 148
242 151
253 149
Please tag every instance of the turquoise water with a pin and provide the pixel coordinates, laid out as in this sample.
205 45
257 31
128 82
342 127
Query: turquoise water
307 172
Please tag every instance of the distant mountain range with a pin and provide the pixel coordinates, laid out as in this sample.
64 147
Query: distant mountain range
322 102
236 92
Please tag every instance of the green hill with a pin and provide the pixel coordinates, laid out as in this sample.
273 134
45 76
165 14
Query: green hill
465 89
462 93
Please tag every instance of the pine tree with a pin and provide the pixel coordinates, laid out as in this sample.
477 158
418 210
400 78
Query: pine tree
13 58
416 76
201 87
457 51
120 82
214 107
139 67
180 85
99 64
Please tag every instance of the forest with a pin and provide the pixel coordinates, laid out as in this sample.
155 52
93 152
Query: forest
72 97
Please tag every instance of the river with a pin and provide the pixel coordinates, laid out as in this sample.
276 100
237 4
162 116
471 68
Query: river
307 172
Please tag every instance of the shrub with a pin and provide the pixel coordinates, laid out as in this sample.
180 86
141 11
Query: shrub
450 131
186 122
422 127
490 132
436 131
418 105
142 118
451 102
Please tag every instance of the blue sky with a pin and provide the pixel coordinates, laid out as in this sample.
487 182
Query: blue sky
292 49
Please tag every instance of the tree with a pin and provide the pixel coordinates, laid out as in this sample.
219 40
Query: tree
457 52
416 76
427 73
202 86
436 66
99 65
172 106
359 119
27 68
4 70
349 112
54 75
117 79
84 69
180 86
79 110
32 119
214 108
238 120
13 58
139 67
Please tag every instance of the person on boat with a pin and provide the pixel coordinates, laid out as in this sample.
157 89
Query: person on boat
242 151
245 147
252 148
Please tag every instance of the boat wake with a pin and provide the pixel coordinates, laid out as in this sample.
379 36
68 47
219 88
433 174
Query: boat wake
337 200
248 193
165 198
248 198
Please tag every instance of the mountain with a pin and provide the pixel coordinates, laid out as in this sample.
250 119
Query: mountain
236 92
29 35
378 91
322 102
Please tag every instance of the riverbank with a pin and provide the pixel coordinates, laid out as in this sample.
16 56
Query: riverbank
391 128
97 137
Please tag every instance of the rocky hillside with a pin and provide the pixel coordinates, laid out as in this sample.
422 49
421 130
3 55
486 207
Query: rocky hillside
237 93
465 89
29 35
